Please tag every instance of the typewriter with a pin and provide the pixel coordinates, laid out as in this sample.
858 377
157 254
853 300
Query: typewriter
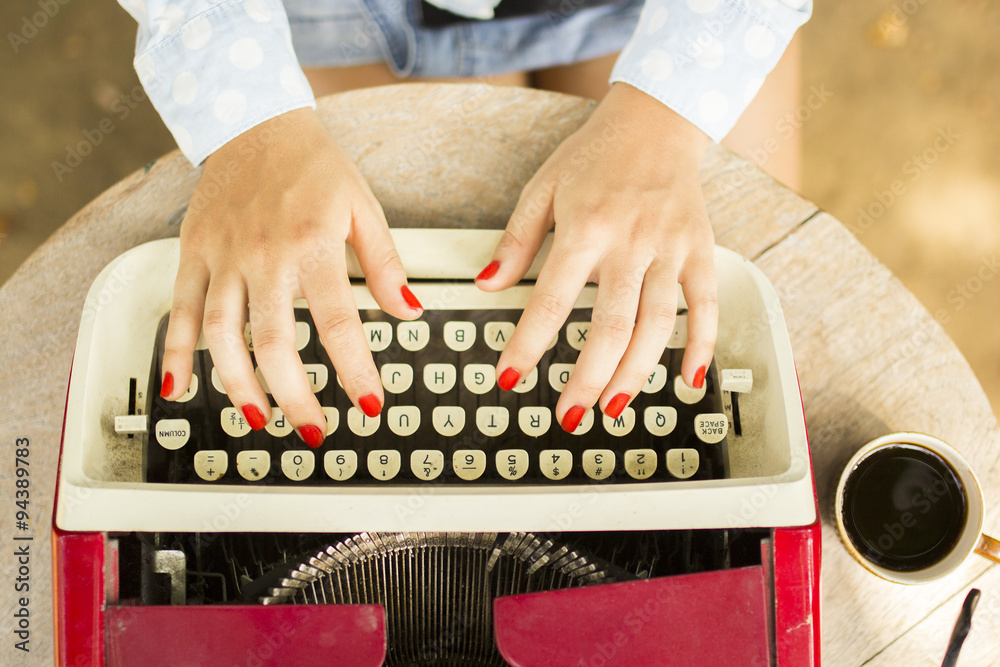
460 527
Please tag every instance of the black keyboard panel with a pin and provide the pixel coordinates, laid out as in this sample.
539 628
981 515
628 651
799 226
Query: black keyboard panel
631 453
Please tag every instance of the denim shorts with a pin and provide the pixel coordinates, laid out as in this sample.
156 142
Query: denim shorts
341 33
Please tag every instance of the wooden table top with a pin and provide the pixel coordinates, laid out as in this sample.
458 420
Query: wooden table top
870 358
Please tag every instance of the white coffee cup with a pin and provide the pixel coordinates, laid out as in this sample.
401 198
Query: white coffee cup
970 539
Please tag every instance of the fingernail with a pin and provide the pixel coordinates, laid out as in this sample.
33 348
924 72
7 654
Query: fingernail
311 435
254 416
572 418
508 379
370 405
167 386
699 378
490 271
411 300
615 406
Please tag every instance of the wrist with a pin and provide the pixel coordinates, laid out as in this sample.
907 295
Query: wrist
291 123
646 115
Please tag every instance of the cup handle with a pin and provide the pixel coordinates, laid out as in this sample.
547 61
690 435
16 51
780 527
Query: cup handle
989 547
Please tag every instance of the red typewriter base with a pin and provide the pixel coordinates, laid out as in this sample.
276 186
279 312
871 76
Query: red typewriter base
759 615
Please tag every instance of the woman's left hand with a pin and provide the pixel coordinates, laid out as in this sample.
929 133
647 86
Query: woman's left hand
624 196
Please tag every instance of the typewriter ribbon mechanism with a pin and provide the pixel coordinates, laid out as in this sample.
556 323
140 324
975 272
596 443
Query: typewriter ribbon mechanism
457 529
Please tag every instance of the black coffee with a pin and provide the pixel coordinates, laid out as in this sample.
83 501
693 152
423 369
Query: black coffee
904 508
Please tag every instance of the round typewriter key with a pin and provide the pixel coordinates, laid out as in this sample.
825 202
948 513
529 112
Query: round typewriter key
556 464
909 508
598 463
340 464
426 464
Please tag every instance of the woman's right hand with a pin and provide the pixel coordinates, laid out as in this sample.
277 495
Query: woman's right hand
268 224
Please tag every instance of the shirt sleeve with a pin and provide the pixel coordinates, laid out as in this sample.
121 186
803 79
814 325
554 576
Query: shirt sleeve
215 68
706 59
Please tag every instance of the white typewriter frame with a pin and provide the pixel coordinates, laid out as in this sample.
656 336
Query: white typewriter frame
771 483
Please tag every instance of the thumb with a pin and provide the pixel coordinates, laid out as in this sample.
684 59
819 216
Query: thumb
528 226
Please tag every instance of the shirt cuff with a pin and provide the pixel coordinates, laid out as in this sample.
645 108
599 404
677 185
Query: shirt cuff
706 59
220 72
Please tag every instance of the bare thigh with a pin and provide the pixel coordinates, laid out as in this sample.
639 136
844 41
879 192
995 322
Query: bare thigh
760 136
330 80
588 78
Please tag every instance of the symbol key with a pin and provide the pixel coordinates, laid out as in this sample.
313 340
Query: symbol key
233 423
253 464
211 464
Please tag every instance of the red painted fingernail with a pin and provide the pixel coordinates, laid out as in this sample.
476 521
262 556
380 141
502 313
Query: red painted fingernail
254 417
508 379
572 418
699 378
411 300
616 405
370 405
167 386
490 271
311 435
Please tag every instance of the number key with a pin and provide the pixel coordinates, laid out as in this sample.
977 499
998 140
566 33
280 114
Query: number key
383 464
298 465
340 464
598 463
512 463
469 464
556 464
426 463
640 463
682 463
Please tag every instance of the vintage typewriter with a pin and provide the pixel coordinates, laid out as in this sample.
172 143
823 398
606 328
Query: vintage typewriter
460 527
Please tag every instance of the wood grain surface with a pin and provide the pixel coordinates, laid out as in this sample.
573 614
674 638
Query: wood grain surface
871 360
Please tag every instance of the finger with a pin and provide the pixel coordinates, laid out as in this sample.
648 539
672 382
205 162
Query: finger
610 332
526 231
701 293
225 315
654 325
384 273
183 328
559 284
272 327
335 313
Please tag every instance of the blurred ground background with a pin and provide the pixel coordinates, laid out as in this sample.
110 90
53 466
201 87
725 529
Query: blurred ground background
900 138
